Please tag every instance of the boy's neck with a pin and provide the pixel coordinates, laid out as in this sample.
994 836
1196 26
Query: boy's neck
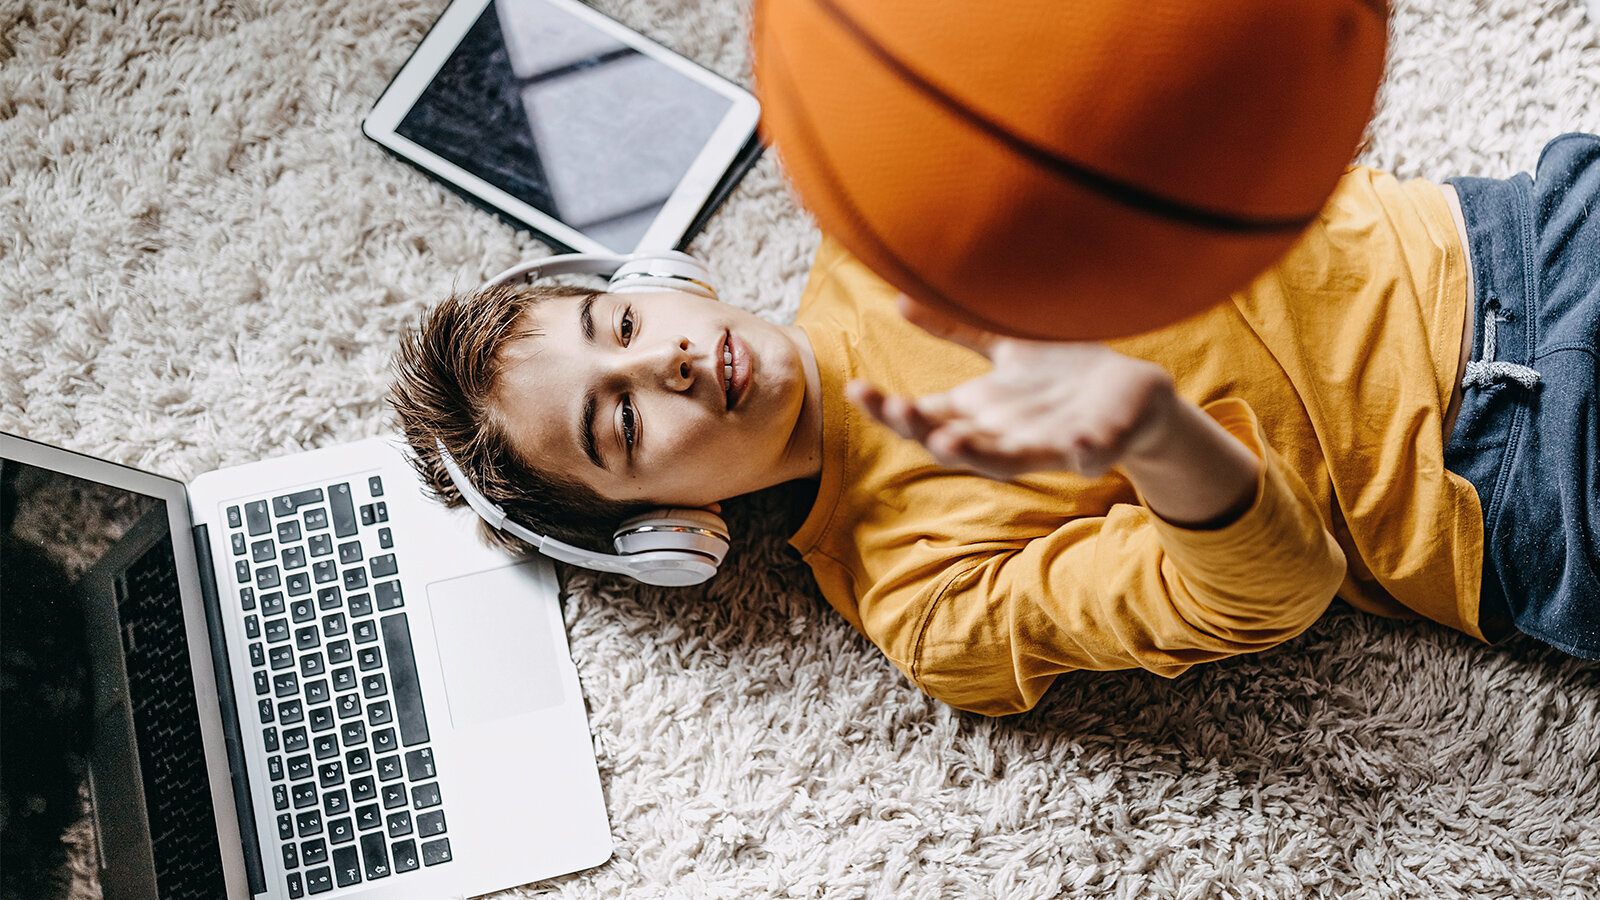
805 444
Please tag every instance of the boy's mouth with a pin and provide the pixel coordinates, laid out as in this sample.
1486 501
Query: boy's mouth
734 369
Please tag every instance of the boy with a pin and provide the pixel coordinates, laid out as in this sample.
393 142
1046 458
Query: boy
1196 492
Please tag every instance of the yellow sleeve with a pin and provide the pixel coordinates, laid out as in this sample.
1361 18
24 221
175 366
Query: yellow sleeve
1128 590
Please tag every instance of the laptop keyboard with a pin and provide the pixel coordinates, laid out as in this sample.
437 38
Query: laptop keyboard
354 786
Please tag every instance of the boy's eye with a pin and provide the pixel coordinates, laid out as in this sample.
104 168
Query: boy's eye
628 423
627 326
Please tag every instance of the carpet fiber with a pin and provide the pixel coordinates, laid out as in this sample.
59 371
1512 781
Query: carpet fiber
202 262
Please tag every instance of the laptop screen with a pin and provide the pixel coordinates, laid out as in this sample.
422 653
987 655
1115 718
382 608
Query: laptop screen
106 790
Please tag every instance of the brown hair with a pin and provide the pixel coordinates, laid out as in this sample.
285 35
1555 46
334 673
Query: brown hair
446 373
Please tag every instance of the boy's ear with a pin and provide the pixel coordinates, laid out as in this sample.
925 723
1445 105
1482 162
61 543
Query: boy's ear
715 509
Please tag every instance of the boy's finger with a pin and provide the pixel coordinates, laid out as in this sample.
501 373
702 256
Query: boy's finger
941 325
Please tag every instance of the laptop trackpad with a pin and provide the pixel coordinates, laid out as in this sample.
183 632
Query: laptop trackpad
495 644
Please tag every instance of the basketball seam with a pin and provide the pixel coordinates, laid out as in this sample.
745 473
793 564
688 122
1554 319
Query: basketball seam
925 290
1097 182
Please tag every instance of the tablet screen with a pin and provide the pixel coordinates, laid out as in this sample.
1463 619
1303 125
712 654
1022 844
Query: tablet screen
537 101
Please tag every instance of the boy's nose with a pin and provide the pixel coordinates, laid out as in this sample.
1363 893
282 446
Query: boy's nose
670 364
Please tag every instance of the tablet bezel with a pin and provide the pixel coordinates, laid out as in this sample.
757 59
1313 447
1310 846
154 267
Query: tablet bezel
675 222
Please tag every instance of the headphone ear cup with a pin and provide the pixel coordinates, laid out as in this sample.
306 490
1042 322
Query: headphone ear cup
667 270
695 531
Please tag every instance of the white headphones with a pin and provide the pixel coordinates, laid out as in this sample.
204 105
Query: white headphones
664 547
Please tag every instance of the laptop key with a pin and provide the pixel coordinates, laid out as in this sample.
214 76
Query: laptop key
335 802
368 658
305 795
316 519
267 577
258 657
329 598
425 795
344 513
290 712
325 746
291 856
380 714
286 827
297 584
264 707
398 824
302 611
365 632
403 680
363 788
344 677
308 823
286 684
333 625
269 739
296 887
287 504
368 817
385 539
340 652
293 558
289 532
317 691
275 767
256 518
263 551
272 604
238 543
383 566
388 594
234 519
435 852
300 767
295 740
346 867
375 486
319 545
405 855
310 664
325 571
277 630
341 831
383 740
263 684
355 579
359 759
281 657
241 571
331 774
374 685
388 770
360 605
247 598
314 851
375 853
394 795
252 627
353 733
349 705
419 764
350 552
307 638
280 797
319 881
430 823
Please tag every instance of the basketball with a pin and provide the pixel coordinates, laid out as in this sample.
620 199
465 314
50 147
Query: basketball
1076 170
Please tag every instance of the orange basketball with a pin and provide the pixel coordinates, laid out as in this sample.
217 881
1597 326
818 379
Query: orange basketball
1067 169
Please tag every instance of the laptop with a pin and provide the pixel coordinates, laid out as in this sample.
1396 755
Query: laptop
305 678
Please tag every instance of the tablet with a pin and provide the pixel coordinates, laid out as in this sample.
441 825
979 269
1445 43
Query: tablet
565 122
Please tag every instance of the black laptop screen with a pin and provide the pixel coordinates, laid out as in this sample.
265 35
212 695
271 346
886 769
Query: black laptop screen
100 745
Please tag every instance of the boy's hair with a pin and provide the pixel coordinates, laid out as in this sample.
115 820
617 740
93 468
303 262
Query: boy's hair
447 373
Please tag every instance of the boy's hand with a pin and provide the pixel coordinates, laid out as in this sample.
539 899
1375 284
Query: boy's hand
1076 407
1044 406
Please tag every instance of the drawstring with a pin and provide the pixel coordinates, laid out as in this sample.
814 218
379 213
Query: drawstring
1487 371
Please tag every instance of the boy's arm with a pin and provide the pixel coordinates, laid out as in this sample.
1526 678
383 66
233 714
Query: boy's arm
1075 407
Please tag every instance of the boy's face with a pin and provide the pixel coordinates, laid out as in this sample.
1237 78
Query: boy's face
663 398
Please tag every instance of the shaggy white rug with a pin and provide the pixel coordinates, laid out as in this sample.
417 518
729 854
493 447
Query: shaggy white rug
202 262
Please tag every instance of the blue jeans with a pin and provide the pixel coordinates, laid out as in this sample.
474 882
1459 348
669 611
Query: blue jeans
1528 434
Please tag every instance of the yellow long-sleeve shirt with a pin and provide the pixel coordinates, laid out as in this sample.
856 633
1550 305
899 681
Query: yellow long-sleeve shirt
1335 368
